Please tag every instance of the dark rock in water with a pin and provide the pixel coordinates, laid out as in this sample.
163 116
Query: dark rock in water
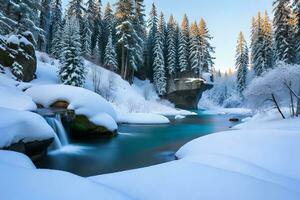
234 119
81 127
34 150
19 49
186 92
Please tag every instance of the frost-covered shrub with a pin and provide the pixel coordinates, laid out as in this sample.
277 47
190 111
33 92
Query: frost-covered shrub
224 93
274 85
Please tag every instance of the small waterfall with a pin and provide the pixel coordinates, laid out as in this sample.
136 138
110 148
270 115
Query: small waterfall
61 137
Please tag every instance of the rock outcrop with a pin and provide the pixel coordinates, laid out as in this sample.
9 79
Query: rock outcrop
17 51
185 93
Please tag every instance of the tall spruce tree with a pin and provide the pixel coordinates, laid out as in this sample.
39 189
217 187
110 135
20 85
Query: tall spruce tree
110 58
20 16
283 32
162 29
267 42
241 63
207 50
152 26
195 51
159 76
171 47
72 71
184 45
55 29
44 23
296 4
257 46
86 41
128 39
109 24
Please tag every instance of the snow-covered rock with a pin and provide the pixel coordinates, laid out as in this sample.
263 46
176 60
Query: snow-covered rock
142 118
82 101
22 126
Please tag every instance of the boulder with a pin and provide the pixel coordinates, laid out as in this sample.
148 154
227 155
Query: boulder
80 125
19 49
185 93
34 150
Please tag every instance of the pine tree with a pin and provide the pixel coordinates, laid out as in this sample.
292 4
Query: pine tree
195 50
267 42
20 16
296 4
283 32
109 24
110 58
206 49
128 39
55 29
86 41
152 26
44 23
162 29
93 27
241 63
184 45
257 46
159 76
72 71
171 47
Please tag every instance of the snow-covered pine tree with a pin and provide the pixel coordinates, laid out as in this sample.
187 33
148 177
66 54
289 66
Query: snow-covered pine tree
283 32
184 45
195 50
207 50
44 23
93 26
110 58
162 29
257 46
171 47
72 70
86 41
296 4
152 26
127 37
267 42
159 76
55 29
241 63
109 24
20 16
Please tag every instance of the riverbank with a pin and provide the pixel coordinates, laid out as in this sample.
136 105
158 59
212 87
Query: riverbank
256 160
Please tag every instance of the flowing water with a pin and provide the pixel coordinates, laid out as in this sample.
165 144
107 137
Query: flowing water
136 146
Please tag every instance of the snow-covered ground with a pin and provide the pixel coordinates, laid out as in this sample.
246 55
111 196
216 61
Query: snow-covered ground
142 118
256 160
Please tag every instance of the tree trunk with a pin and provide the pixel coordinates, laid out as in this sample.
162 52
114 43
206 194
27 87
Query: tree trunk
298 106
277 106
123 62
292 103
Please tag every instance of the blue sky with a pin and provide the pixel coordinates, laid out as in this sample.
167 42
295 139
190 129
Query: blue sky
225 19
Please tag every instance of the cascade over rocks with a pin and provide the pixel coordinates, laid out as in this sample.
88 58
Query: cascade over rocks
19 49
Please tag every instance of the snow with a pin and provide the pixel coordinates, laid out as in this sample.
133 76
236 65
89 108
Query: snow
82 101
23 126
26 182
256 160
142 118
13 39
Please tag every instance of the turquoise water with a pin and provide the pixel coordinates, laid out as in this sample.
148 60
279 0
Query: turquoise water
136 146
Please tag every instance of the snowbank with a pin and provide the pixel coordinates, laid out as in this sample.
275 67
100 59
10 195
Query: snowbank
16 159
23 126
258 160
12 95
142 118
18 182
82 101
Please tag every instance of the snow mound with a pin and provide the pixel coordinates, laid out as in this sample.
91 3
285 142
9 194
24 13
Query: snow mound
142 118
35 184
82 101
16 159
23 126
